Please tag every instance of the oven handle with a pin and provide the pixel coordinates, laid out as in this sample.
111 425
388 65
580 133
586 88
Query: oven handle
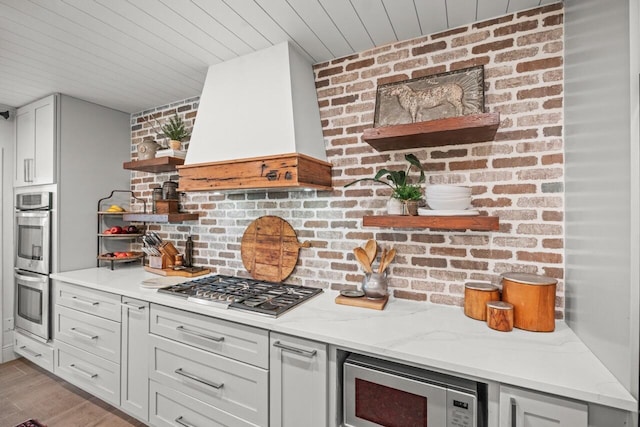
179 371
183 423
29 351
198 334
308 353
29 278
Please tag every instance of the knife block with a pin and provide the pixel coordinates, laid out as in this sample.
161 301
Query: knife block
159 262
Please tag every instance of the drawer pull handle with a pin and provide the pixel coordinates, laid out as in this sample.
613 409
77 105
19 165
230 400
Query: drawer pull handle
29 351
199 334
83 335
183 423
129 305
81 371
83 301
179 371
308 353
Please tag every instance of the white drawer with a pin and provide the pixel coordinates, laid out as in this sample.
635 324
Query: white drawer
89 372
240 342
171 408
103 304
229 385
36 351
91 333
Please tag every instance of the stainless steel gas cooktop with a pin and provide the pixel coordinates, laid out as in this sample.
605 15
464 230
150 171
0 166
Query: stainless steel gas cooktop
271 299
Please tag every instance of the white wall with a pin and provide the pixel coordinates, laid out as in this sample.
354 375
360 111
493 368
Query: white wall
601 170
6 236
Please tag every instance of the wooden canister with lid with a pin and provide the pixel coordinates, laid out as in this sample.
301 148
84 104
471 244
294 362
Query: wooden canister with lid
500 316
534 299
476 296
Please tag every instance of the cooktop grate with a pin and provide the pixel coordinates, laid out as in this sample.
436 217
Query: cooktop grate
271 299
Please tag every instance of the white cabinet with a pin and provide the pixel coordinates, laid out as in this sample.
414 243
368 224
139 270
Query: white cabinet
36 351
206 371
522 408
134 381
298 382
87 340
35 154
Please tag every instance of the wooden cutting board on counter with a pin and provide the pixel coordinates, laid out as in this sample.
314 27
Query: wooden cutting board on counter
172 272
270 249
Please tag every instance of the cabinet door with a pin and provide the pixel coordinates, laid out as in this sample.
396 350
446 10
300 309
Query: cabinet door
25 149
521 408
35 159
134 381
298 383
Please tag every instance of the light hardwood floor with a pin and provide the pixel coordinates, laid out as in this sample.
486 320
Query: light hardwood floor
27 391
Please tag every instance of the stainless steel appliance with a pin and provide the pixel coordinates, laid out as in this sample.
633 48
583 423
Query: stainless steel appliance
32 264
33 232
32 304
256 296
382 393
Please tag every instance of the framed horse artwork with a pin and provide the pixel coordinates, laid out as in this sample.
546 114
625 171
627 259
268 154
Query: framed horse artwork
451 94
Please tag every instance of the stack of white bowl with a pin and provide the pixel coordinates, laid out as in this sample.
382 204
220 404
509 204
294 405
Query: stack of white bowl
448 197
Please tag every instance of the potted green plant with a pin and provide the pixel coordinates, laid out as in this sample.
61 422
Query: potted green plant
406 193
176 131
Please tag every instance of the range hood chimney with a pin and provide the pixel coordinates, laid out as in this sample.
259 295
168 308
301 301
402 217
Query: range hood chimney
258 127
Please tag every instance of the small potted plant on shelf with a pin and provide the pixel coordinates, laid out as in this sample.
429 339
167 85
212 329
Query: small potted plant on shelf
405 196
176 131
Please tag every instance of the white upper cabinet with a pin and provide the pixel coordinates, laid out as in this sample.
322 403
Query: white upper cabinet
35 153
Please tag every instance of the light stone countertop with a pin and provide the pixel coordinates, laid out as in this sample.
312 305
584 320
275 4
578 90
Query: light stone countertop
434 336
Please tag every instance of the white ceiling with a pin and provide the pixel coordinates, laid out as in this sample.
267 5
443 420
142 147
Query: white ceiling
135 54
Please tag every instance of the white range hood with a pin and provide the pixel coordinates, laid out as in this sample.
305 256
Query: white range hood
258 126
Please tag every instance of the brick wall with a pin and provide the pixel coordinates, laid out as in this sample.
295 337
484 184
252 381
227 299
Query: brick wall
518 177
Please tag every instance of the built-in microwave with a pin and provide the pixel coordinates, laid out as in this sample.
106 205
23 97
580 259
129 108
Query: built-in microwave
381 393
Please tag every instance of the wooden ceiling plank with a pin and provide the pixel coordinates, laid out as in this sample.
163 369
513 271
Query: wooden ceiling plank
488 9
297 29
461 12
404 18
166 39
118 47
518 5
233 23
345 18
175 15
376 21
318 20
432 15
46 44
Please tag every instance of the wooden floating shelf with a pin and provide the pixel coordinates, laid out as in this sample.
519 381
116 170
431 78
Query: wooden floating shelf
481 223
164 217
434 133
155 165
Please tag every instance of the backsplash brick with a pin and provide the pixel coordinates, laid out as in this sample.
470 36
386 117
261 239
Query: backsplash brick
518 177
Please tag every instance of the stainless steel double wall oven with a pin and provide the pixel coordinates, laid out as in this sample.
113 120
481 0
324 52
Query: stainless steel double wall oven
33 264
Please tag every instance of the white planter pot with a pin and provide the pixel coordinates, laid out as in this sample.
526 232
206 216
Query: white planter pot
395 207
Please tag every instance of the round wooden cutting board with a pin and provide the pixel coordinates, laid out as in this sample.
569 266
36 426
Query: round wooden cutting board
270 248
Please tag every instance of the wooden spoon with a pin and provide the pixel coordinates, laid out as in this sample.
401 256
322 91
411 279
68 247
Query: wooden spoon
382 257
363 259
386 260
371 248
